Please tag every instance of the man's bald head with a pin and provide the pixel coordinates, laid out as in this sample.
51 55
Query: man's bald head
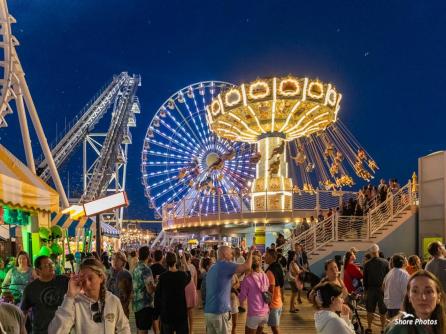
224 253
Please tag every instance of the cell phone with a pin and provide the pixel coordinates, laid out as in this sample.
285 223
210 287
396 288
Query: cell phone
180 252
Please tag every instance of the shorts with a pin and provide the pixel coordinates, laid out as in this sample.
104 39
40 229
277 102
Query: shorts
218 323
144 318
373 297
255 321
274 317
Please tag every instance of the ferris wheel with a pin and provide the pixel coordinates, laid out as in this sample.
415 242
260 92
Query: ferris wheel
187 167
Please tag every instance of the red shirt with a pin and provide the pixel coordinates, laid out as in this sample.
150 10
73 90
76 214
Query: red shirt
351 271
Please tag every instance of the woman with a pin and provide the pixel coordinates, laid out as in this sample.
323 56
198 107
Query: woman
332 276
414 264
329 302
352 273
19 276
88 307
119 281
252 288
425 303
295 284
191 290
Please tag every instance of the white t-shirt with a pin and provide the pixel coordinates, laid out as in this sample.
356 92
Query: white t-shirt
395 286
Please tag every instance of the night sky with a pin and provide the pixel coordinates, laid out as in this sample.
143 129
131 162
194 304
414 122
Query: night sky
387 58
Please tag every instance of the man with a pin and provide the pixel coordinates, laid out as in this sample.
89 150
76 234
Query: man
276 281
437 265
170 299
157 267
119 281
143 289
44 295
12 320
374 272
218 290
395 285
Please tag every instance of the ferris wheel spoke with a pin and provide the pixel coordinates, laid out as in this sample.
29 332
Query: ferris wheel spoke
168 180
199 129
163 172
167 155
162 163
186 144
192 132
179 127
167 146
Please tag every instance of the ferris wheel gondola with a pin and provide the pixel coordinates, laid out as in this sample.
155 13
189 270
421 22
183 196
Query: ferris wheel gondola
184 163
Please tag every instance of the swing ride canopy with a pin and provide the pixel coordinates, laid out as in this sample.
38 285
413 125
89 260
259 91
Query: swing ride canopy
287 107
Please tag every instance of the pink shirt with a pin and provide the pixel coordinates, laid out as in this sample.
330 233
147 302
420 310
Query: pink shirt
251 288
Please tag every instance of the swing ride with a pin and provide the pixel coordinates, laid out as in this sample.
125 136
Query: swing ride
290 118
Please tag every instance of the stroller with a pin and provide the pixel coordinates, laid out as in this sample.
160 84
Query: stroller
353 300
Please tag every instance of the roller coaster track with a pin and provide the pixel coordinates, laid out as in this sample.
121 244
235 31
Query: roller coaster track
85 123
119 93
104 168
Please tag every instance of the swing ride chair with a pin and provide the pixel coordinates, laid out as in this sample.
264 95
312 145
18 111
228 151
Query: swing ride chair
272 150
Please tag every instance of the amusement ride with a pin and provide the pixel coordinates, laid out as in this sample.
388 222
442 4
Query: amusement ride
220 154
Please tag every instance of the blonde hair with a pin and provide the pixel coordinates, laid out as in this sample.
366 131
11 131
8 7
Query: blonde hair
97 267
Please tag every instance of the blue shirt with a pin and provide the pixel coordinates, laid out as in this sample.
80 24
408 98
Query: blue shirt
218 287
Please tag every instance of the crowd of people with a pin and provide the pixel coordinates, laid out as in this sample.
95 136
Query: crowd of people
162 288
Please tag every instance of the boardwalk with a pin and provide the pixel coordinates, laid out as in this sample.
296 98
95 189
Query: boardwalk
301 322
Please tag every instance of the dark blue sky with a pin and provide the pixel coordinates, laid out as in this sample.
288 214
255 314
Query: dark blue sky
386 57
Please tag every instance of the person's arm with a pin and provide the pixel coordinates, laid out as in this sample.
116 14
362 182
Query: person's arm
272 281
122 323
64 318
355 272
158 299
7 280
243 291
241 268
25 304
185 268
365 281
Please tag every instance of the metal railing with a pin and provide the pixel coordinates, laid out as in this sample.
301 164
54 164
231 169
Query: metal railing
221 205
355 228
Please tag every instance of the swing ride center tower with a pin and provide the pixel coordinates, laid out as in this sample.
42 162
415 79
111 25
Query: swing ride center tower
271 112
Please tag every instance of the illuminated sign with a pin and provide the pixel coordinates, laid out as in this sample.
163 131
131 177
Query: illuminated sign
105 204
